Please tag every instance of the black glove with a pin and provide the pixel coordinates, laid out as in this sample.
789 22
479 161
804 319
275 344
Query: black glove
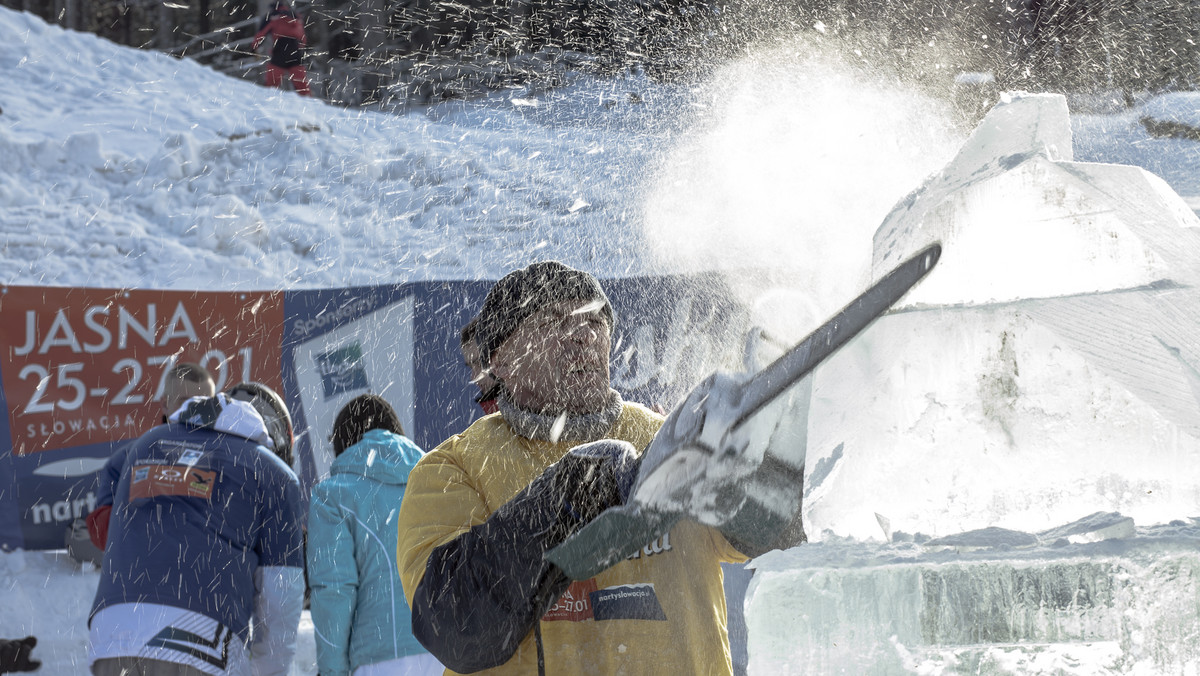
589 479
15 654
484 591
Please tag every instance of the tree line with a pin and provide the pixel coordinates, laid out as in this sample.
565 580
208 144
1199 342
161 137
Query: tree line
364 51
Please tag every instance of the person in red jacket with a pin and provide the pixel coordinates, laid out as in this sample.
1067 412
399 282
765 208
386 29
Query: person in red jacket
287 28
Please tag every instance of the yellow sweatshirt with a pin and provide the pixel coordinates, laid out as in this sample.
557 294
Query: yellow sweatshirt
661 611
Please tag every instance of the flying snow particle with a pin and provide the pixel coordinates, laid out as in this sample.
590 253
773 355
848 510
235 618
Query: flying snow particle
556 429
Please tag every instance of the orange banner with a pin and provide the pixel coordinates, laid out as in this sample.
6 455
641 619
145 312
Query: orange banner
86 366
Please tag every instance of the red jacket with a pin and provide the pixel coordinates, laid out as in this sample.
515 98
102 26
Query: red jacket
288 30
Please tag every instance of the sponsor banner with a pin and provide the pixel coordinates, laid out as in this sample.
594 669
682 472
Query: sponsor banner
340 344
87 366
81 370
50 489
672 332
443 399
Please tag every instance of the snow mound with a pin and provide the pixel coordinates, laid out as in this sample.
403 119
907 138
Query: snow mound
129 167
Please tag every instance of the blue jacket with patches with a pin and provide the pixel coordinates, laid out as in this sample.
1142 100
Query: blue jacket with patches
359 613
196 512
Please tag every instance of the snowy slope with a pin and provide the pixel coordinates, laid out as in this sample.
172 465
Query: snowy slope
132 168
126 167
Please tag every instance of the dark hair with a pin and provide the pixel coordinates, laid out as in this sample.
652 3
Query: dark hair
360 415
467 335
522 293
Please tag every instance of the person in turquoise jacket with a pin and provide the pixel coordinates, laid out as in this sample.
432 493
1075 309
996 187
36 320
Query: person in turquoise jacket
361 620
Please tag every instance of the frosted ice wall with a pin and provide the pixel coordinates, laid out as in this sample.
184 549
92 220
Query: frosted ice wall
1047 369
1115 607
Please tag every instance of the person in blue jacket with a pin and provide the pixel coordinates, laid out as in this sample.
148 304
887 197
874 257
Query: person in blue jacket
360 617
182 382
203 568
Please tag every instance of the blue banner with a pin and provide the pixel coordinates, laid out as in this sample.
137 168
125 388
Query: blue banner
398 341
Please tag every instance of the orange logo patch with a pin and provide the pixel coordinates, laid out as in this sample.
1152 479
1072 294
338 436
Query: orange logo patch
152 481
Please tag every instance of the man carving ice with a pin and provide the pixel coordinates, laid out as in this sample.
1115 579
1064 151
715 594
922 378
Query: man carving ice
483 508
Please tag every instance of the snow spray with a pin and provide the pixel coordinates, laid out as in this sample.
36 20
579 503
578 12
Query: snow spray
794 159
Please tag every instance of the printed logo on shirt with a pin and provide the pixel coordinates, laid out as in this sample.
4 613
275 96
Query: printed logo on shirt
189 451
574 605
213 651
190 457
627 602
656 546
152 481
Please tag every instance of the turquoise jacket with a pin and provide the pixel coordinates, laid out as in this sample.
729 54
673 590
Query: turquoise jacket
358 609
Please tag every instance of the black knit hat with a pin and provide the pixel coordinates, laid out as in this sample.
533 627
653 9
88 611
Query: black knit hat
360 415
523 292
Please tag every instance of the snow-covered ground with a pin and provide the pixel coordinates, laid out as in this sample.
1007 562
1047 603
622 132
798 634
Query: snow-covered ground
127 168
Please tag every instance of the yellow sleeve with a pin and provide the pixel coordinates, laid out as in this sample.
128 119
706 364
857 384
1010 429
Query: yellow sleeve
440 503
726 552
